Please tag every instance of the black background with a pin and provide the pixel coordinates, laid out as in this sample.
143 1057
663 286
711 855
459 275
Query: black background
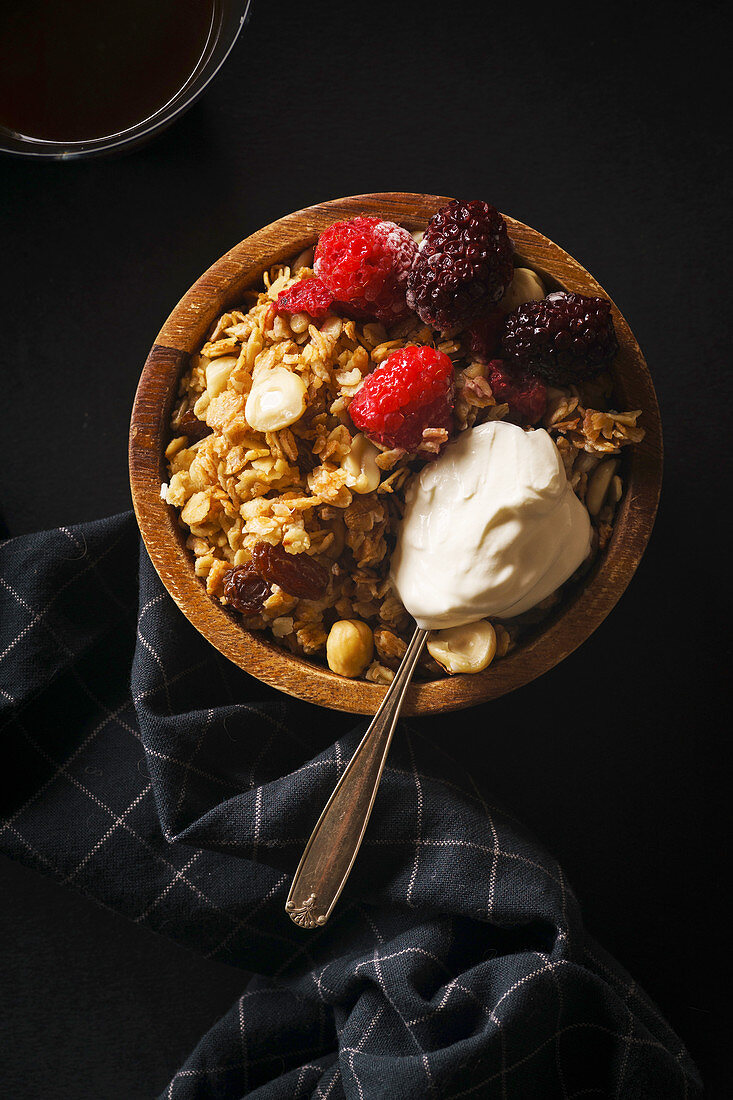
606 129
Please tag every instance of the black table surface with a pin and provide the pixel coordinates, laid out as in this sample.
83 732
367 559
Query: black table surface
606 130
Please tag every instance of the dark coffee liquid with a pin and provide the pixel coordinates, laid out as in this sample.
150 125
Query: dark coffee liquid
73 70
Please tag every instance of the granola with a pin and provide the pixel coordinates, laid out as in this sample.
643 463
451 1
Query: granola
240 476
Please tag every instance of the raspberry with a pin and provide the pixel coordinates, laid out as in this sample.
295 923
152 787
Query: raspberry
365 263
410 391
309 296
464 264
525 394
564 337
484 335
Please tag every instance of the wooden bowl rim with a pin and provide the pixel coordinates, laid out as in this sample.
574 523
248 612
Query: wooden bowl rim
221 286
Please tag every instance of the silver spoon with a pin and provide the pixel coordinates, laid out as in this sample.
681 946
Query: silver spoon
330 853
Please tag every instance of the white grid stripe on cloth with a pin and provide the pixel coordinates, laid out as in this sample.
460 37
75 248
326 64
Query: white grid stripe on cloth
151 650
189 763
243 1041
120 820
631 990
425 1061
418 818
167 889
178 873
246 1063
34 851
112 716
357 1049
244 921
336 1077
39 616
558 1027
495 846
585 1026
629 1036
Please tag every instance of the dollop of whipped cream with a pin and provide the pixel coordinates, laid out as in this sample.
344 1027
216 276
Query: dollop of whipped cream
491 528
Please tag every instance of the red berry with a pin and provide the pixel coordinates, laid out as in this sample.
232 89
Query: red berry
365 263
412 390
484 335
309 296
525 394
464 264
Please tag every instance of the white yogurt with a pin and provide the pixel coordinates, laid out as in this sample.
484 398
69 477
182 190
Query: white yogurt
491 528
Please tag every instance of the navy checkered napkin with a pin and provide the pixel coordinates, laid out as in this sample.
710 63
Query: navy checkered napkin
166 783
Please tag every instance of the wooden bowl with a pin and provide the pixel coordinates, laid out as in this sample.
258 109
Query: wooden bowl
222 287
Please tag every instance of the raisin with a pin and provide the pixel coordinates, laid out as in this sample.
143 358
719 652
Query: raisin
245 589
190 425
297 574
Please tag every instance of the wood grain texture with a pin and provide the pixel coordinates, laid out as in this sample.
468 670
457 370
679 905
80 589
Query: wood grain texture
183 333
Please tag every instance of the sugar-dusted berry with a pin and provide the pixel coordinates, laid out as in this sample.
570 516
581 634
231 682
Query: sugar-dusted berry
309 296
365 263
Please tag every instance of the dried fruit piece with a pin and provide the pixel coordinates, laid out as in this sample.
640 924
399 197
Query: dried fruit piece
524 393
365 262
309 296
463 265
297 574
565 337
412 390
190 426
245 589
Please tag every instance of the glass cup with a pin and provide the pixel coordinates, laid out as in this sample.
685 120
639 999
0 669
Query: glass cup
229 19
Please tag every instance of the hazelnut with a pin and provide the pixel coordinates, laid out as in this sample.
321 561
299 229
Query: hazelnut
276 400
217 374
468 648
360 464
349 648
526 286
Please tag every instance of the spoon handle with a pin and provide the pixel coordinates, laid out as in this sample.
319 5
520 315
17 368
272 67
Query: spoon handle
330 853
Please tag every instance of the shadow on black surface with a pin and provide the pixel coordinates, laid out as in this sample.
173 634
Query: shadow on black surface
157 999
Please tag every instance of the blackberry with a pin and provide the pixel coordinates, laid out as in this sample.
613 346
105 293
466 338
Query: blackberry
525 394
463 265
564 337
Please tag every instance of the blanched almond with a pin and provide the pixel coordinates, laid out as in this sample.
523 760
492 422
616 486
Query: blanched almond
598 485
526 286
217 374
276 400
360 464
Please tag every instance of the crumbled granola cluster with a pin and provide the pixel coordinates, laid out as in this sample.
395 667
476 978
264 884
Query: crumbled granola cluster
241 479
